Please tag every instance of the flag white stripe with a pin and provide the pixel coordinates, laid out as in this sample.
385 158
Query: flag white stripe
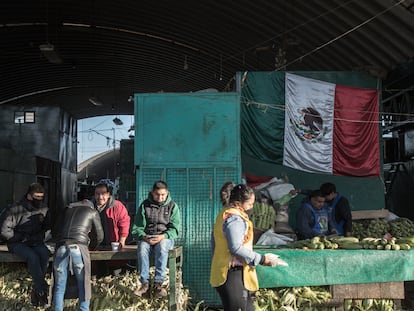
308 124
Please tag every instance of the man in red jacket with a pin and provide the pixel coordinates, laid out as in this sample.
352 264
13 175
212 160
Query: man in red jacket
114 215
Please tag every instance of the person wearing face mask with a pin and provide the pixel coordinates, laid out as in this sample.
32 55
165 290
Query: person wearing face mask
23 228
233 272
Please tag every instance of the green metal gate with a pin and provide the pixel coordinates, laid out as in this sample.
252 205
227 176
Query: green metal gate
192 142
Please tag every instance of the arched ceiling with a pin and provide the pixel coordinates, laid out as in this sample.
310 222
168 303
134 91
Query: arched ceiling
113 49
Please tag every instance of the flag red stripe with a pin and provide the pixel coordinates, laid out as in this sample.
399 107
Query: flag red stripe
356 144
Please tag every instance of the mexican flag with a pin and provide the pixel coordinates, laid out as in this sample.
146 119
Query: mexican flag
331 129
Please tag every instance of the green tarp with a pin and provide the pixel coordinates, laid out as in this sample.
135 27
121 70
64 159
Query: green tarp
329 267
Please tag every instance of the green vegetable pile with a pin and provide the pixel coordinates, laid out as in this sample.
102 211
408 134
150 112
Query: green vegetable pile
108 294
313 298
377 228
264 216
291 298
354 243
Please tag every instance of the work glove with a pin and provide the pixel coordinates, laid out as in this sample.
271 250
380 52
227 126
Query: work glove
275 260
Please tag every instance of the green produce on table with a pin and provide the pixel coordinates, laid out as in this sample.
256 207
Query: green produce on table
398 228
263 216
354 243
406 240
401 227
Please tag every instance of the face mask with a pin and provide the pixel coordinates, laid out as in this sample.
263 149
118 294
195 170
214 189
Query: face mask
37 203
249 212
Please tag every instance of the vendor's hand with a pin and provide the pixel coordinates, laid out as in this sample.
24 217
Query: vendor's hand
274 260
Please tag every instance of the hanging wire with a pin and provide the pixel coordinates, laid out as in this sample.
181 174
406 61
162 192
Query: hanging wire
236 56
282 107
91 131
300 58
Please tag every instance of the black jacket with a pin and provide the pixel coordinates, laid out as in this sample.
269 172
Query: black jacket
78 221
23 223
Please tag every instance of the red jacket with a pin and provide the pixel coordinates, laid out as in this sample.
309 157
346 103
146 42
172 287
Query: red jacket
118 220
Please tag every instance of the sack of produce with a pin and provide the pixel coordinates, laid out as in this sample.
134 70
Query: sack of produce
282 219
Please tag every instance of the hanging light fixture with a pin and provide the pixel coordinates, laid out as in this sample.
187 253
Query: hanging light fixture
49 52
95 101
117 121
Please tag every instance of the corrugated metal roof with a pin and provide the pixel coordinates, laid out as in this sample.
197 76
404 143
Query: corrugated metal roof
112 49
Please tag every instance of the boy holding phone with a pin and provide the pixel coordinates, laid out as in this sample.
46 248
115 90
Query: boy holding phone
156 226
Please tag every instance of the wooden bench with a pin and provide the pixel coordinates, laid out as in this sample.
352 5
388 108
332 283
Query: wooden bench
129 252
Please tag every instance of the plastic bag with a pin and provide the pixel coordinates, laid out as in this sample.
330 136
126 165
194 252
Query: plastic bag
270 238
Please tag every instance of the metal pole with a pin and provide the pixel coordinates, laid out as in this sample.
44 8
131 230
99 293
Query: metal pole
114 145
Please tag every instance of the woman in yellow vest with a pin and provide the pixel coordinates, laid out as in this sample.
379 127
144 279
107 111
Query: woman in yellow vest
233 272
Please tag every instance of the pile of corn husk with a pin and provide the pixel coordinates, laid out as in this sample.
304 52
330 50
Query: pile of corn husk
313 298
108 293
115 293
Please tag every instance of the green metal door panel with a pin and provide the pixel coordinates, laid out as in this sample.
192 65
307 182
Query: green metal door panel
187 129
196 191
191 141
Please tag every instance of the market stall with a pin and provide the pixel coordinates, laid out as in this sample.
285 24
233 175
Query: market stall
350 274
328 267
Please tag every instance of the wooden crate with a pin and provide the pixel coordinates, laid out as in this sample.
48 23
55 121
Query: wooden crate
370 214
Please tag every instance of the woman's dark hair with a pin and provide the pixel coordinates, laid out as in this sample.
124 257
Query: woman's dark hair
240 193
160 184
225 192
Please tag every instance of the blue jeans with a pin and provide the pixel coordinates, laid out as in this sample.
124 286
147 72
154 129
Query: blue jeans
37 258
160 250
61 268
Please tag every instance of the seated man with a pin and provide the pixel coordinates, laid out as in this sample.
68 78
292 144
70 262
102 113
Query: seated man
157 224
312 217
115 223
23 227
339 210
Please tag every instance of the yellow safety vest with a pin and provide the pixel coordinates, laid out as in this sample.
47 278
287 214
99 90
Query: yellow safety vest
222 258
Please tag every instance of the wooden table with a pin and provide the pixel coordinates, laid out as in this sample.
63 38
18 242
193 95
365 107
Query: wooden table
129 252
